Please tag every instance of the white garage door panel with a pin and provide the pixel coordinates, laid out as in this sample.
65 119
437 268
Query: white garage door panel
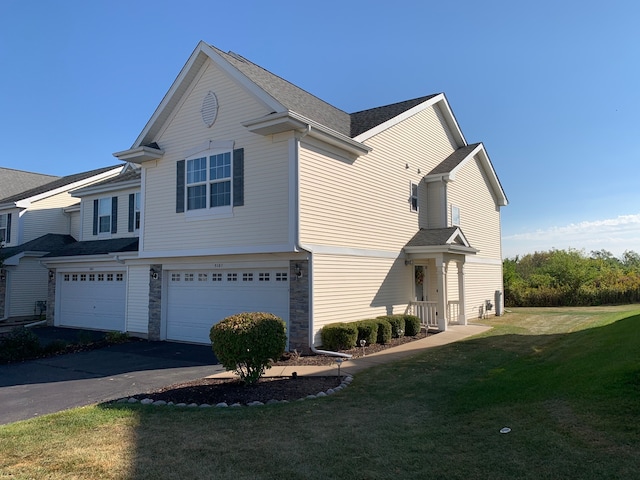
196 302
95 301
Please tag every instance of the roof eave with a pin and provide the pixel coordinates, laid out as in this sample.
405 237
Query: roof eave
291 121
439 249
111 187
139 154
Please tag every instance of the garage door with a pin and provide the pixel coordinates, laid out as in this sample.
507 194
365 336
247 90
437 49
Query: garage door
92 300
198 299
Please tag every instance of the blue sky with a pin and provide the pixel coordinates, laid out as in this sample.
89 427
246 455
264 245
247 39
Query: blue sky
552 88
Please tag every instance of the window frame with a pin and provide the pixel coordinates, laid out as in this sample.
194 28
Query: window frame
455 216
6 228
194 179
108 201
414 197
136 211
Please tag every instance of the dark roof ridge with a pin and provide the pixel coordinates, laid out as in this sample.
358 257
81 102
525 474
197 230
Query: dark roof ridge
60 182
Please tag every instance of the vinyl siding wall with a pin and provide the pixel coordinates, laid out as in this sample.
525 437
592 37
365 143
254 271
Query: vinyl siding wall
479 215
28 285
365 203
47 216
350 288
122 215
138 299
263 220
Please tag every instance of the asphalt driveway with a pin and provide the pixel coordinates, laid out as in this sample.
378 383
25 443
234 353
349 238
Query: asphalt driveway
43 386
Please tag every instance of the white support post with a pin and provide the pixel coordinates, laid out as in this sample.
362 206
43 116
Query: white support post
462 318
441 273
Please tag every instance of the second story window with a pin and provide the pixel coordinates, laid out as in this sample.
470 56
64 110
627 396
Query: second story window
414 197
104 215
137 211
5 228
209 181
455 216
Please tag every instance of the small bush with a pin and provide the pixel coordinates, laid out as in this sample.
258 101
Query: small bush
397 324
20 344
339 336
367 331
411 325
248 343
54 347
116 337
384 331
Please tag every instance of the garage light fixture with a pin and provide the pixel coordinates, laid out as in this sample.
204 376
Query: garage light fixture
51 274
298 271
154 274
2 276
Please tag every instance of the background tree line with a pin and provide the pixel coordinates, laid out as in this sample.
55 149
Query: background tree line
571 278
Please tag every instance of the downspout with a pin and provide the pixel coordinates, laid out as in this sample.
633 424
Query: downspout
300 246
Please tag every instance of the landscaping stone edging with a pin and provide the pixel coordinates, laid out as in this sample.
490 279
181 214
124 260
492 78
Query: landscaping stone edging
158 403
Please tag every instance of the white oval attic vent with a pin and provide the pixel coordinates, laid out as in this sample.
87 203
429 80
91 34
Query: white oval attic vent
209 109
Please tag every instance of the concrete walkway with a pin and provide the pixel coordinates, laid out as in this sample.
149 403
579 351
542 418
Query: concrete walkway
350 366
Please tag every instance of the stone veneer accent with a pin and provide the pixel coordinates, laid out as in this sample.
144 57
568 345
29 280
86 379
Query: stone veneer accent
299 306
51 297
155 302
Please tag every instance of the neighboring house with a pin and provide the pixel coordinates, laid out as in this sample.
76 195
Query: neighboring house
33 223
257 196
13 182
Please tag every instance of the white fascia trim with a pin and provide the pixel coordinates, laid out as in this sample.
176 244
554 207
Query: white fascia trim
439 249
198 57
25 203
351 252
451 121
395 120
289 120
209 252
493 177
112 187
110 257
72 208
139 154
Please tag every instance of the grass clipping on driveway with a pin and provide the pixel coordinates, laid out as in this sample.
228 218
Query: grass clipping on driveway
566 382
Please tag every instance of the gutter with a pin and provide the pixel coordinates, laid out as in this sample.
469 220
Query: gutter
300 246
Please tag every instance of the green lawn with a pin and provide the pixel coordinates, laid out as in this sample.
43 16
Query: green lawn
565 381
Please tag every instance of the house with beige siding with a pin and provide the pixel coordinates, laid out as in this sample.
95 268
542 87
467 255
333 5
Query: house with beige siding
253 195
35 219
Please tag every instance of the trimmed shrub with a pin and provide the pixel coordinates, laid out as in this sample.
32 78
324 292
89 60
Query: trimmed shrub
397 324
384 331
54 347
248 343
20 344
367 331
116 337
411 325
339 336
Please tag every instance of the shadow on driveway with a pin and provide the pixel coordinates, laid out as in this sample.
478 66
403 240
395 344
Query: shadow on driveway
57 383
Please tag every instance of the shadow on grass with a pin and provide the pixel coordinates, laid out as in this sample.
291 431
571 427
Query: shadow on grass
569 399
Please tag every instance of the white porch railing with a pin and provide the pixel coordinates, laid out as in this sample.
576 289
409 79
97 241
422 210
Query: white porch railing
453 312
425 311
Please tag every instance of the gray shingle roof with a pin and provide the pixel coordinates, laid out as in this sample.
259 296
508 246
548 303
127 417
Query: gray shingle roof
291 96
45 243
453 160
129 175
427 237
367 119
12 182
60 182
300 101
97 247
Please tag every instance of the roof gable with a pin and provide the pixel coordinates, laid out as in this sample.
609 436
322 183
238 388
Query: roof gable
58 185
13 182
448 168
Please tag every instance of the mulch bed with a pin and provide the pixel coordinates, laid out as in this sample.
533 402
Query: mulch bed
231 391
